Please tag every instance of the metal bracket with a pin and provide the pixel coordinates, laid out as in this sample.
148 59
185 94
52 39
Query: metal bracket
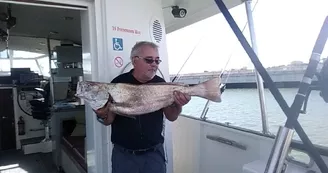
293 160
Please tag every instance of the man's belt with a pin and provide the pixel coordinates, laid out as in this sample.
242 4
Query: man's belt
138 151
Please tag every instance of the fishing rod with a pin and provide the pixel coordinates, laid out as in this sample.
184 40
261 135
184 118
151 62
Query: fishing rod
321 85
177 76
223 84
293 111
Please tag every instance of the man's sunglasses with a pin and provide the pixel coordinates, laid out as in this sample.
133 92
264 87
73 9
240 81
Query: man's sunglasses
150 60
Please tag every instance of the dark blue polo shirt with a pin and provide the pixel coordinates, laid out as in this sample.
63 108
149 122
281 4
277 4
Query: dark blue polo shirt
143 132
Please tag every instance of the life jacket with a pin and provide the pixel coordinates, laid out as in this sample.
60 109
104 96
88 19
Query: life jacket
323 81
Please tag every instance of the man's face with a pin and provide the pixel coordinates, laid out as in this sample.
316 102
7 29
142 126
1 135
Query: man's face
146 63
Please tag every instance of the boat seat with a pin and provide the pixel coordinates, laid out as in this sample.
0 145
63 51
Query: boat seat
41 109
258 166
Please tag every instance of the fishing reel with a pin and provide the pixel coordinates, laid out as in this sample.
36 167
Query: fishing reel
222 88
321 86
323 81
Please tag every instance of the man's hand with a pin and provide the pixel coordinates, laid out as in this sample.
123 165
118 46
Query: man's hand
107 116
181 99
105 113
172 112
102 112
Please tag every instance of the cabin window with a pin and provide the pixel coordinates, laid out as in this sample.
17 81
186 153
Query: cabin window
44 66
4 65
26 63
37 62
24 54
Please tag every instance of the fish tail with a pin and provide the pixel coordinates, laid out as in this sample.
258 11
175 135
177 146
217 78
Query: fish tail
209 90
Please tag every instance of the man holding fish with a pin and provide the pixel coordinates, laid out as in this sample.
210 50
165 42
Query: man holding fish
138 141
135 103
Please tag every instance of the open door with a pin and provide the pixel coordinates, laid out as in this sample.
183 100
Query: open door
7 121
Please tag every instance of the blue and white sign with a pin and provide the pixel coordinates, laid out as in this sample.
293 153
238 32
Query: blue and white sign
117 44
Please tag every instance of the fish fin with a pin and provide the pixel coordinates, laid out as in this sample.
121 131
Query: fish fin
110 98
209 89
114 106
132 117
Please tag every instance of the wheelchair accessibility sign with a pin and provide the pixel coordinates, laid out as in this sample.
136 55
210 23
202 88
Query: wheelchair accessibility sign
117 44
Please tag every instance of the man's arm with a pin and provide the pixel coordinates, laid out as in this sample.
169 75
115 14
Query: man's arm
173 111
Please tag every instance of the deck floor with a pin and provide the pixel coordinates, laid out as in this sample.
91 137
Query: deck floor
17 162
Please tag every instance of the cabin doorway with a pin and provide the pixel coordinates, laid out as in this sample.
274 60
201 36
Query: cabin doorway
7 121
36 32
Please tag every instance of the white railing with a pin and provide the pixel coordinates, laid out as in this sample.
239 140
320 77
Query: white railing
208 146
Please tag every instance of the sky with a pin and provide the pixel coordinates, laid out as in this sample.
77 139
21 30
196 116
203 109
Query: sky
286 31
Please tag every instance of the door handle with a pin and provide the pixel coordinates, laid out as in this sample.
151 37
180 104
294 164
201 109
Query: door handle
4 117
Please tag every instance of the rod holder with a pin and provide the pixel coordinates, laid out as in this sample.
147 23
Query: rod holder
279 150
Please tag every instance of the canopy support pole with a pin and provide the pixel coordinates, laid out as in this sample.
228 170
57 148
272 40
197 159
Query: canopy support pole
259 80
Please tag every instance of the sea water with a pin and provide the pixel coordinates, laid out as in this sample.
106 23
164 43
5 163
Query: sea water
241 107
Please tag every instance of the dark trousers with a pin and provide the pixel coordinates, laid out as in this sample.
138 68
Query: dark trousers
125 161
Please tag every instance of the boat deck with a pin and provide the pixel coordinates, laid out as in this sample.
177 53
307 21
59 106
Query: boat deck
16 162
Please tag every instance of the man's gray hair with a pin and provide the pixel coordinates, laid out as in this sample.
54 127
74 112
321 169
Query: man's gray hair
137 47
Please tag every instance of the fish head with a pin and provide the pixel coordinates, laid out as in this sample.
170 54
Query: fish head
94 93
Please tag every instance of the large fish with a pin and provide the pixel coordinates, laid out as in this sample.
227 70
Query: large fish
132 100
